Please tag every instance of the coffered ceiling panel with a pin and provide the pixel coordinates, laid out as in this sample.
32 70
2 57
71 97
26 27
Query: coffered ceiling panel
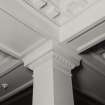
16 36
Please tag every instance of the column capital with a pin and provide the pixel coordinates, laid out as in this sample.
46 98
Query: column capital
63 58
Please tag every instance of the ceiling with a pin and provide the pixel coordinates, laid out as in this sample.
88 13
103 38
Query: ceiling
16 39
16 36
22 28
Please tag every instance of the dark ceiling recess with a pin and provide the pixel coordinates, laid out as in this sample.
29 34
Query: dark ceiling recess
22 98
18 79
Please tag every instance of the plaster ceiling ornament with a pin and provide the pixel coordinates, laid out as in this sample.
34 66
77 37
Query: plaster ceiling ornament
61 11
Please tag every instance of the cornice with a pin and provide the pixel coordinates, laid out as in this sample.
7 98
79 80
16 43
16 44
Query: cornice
30 18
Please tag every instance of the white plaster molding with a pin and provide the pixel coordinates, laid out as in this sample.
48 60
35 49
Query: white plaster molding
65 59
91 43
33 46
23 13
40 61
38 52
60 55
59 63
9 51
65 65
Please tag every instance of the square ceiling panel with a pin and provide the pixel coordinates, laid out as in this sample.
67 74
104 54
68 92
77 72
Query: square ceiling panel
16 36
